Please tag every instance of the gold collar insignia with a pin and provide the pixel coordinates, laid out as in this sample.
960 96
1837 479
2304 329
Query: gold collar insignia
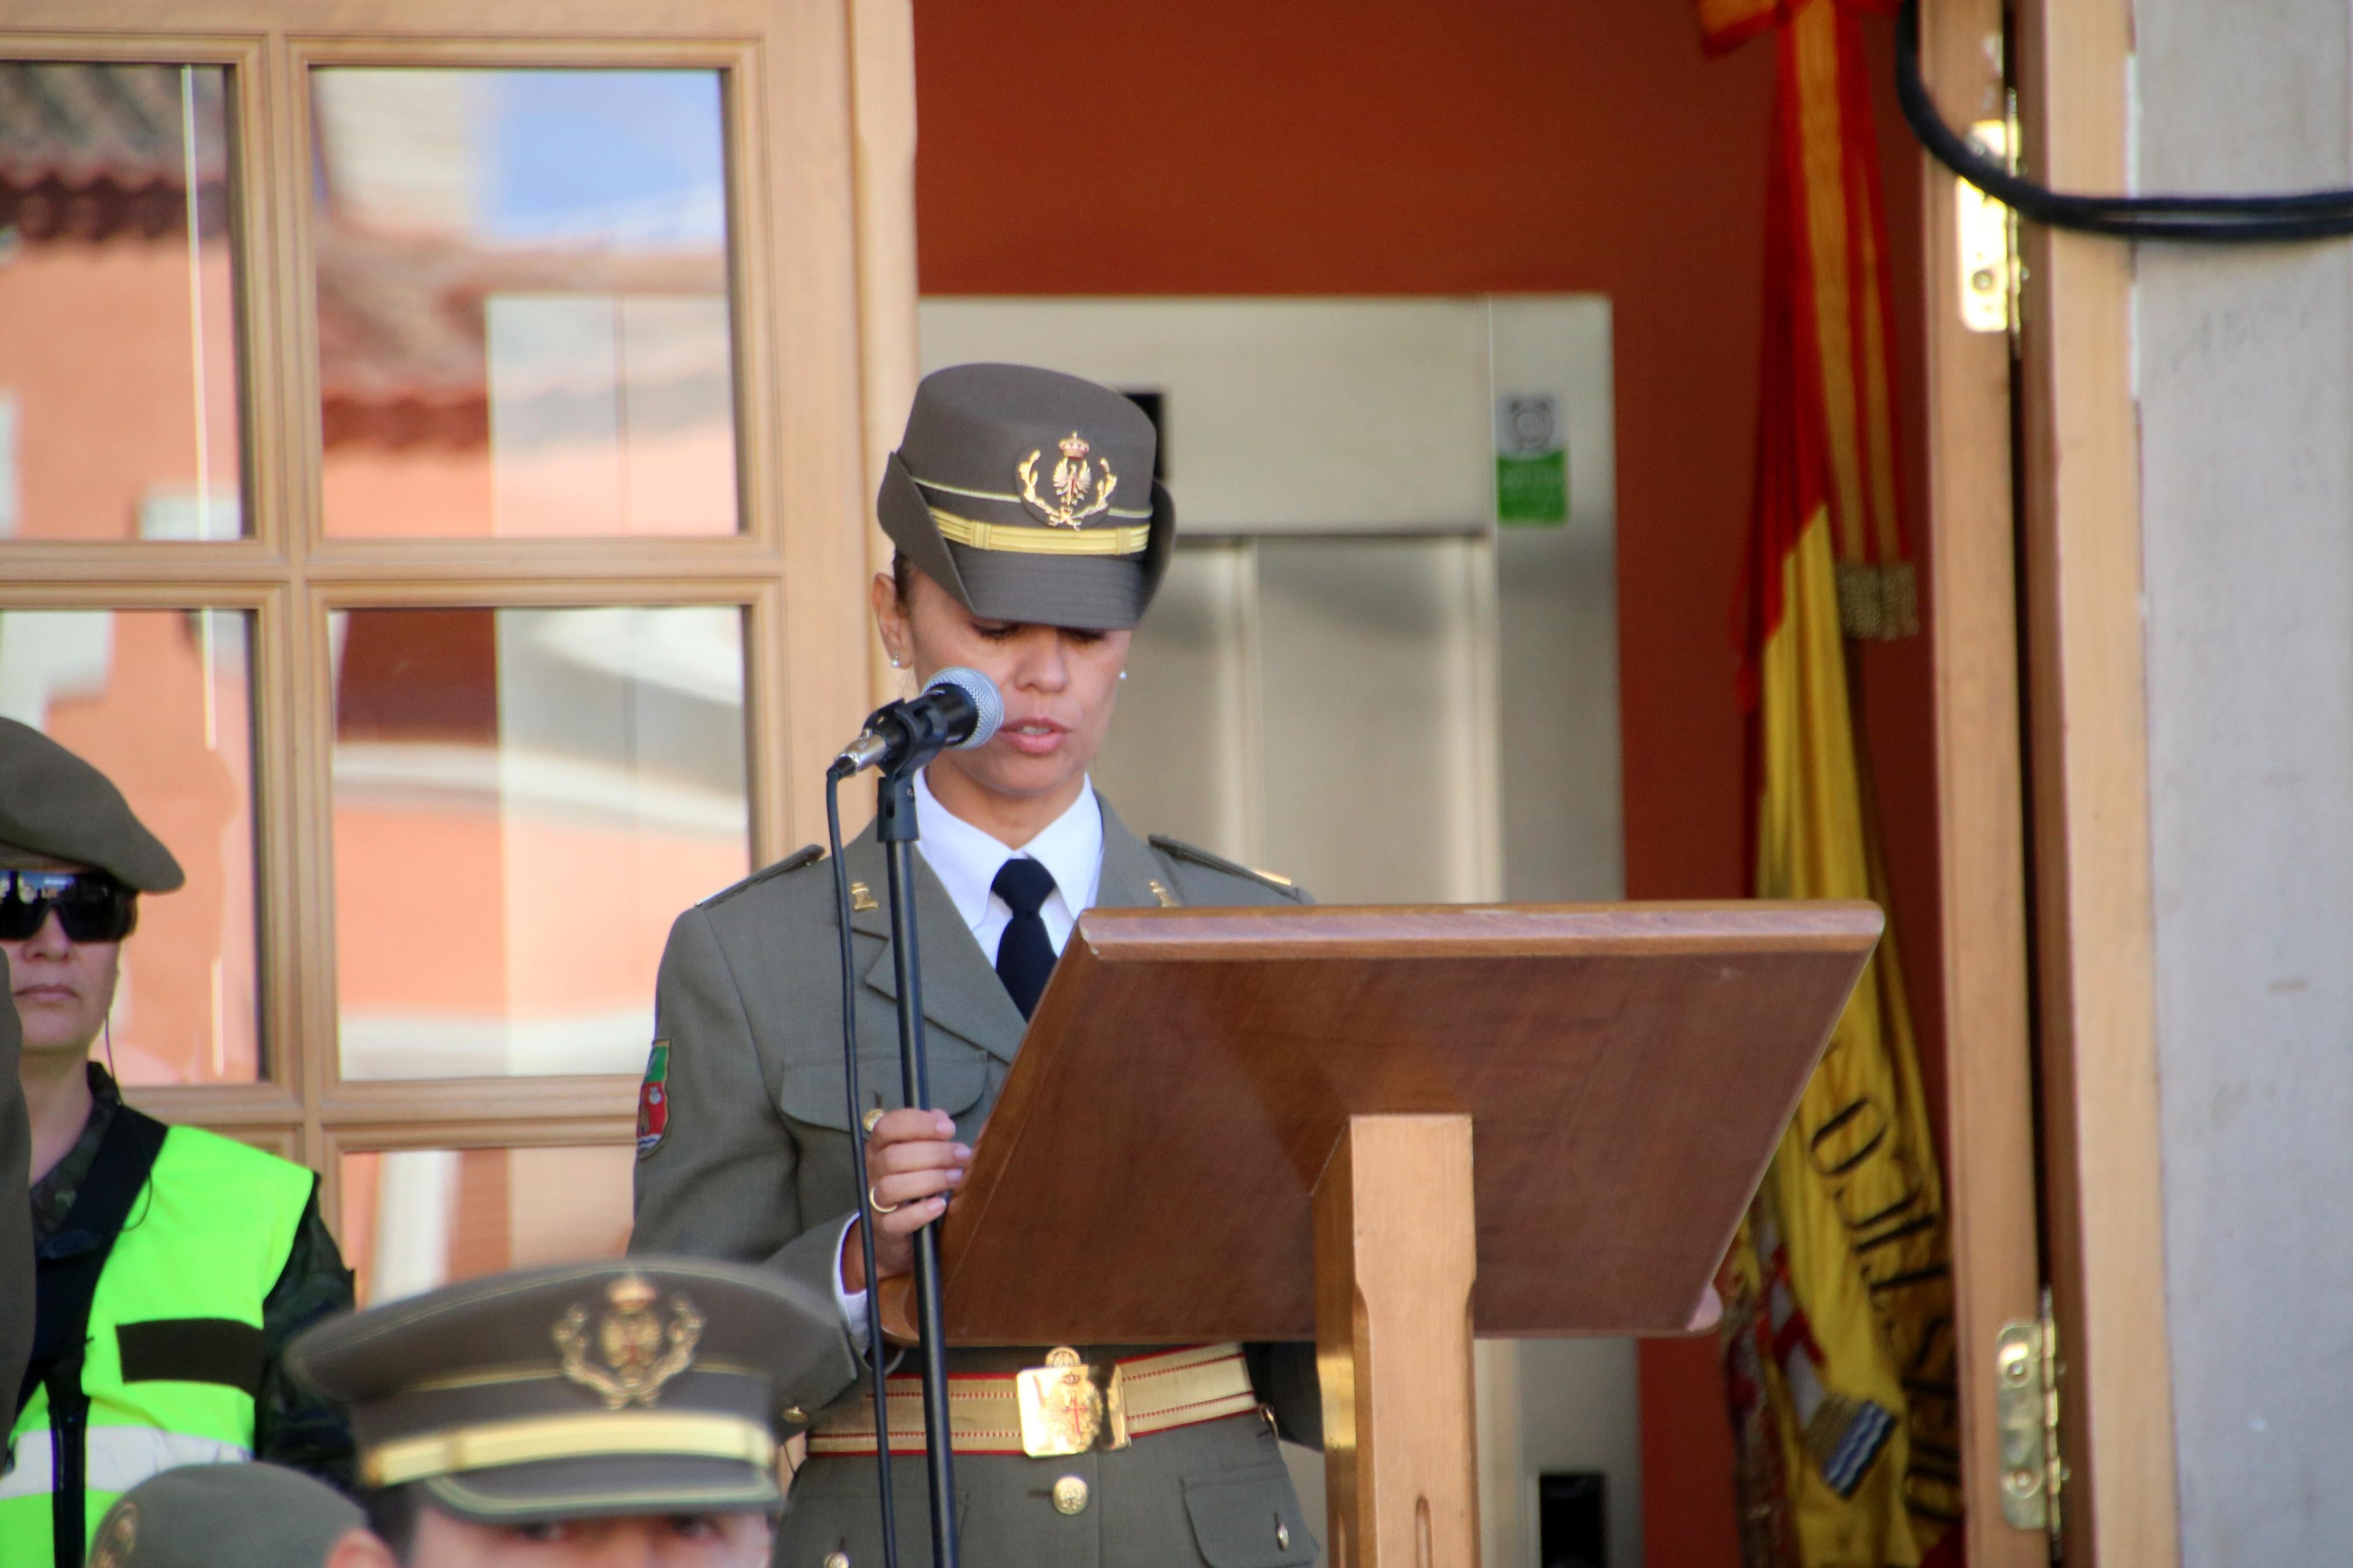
635 1352
1074 481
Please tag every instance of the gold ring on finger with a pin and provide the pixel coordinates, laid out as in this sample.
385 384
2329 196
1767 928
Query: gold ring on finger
878 1205
873 1117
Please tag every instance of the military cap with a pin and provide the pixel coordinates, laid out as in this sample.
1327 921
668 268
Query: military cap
1028 495
584 1391
55 806
201 1516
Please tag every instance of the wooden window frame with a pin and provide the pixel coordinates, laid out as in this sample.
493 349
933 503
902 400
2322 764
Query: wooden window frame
819 137
2049 976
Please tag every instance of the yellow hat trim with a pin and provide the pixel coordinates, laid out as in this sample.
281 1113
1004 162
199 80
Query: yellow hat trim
542 1439
1020 539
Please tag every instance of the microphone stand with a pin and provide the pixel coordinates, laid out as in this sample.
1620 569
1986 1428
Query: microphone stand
894 826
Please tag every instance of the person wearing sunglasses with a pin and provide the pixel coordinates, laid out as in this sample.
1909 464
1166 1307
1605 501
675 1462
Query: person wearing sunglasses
172 1265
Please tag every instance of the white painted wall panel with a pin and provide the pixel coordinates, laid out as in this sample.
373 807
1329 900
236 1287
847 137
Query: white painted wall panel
2245 375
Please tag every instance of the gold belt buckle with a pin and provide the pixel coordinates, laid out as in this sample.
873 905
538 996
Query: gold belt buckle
1069 1407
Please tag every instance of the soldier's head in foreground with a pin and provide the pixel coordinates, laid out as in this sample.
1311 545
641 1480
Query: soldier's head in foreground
203 1516
579 1414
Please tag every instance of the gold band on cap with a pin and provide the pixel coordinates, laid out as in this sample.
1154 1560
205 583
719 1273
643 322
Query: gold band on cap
542 1439
1020 539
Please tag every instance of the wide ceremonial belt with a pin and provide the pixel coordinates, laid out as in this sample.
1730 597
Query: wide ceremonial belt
1066 1406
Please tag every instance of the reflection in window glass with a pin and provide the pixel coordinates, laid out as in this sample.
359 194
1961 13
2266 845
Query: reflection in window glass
415 1219
522 302
117 320
160 702
524 799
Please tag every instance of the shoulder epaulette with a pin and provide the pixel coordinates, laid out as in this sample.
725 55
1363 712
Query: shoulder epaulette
808 854
1200 857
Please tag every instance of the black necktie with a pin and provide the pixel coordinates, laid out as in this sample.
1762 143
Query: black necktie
1024 955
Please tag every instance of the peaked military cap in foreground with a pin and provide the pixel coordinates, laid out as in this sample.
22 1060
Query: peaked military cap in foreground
202 1516
1028 495
588 1391
55 806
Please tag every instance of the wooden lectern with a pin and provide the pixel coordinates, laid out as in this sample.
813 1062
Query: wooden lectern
1385 1130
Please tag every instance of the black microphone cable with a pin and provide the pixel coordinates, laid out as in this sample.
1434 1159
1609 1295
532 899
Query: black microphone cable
874 1346
2273 219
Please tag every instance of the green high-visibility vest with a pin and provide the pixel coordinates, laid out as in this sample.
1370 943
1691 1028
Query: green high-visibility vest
174 1350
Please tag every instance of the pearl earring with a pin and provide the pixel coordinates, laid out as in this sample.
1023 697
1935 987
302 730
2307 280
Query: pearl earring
1123 674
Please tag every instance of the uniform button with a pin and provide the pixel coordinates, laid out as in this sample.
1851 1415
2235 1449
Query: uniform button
837 1560
1281 1536
799 1418
1070 1497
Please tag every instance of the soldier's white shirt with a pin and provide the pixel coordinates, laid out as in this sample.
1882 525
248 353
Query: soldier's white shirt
966 860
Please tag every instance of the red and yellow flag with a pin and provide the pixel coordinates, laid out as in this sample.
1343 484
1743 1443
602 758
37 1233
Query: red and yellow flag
1837 1335
1830 200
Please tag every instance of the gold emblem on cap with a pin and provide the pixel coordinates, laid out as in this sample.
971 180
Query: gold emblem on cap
1074 479
635 1352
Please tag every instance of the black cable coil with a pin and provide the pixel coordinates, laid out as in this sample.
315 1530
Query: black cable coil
2211 220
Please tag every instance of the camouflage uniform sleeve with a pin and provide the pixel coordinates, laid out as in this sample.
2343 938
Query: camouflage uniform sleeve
294 1426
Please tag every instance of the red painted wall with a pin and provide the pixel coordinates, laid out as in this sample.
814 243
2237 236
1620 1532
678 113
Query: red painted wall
1483 146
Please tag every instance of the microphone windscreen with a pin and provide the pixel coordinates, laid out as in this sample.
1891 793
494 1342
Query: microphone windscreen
984 700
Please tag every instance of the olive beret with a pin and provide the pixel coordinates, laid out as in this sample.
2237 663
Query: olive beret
200 1516
54 805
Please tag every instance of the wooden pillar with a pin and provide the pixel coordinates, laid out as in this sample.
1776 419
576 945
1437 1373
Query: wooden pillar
2094 925
1396 1251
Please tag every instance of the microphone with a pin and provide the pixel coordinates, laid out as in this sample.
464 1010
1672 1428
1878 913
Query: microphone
959 708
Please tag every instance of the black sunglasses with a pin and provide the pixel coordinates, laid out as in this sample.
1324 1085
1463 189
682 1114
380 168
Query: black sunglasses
90 905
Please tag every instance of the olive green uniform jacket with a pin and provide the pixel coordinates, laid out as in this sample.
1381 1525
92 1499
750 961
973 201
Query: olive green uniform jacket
754 1165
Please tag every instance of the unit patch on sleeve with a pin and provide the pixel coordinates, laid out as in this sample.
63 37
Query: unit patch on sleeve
653 1100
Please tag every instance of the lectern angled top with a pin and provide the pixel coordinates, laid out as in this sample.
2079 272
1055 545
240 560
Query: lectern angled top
1145 1175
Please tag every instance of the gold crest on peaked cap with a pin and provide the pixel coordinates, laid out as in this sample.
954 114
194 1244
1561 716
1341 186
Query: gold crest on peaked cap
632 1350
1028 495
198 1516
584 1391
55 806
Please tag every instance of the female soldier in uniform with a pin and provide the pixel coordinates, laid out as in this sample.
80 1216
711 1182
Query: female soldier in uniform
1030 537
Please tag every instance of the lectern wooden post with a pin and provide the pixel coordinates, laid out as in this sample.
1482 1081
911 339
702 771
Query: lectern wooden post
1394 1262
1381 1128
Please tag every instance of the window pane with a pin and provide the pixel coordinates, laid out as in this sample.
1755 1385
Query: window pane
523 303
118 317
524 800
160 702
415 1219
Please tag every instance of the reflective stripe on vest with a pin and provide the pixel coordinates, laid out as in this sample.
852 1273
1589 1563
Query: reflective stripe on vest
119 1457
206 1239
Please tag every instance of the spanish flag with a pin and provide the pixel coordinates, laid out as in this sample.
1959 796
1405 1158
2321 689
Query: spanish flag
1837 1336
